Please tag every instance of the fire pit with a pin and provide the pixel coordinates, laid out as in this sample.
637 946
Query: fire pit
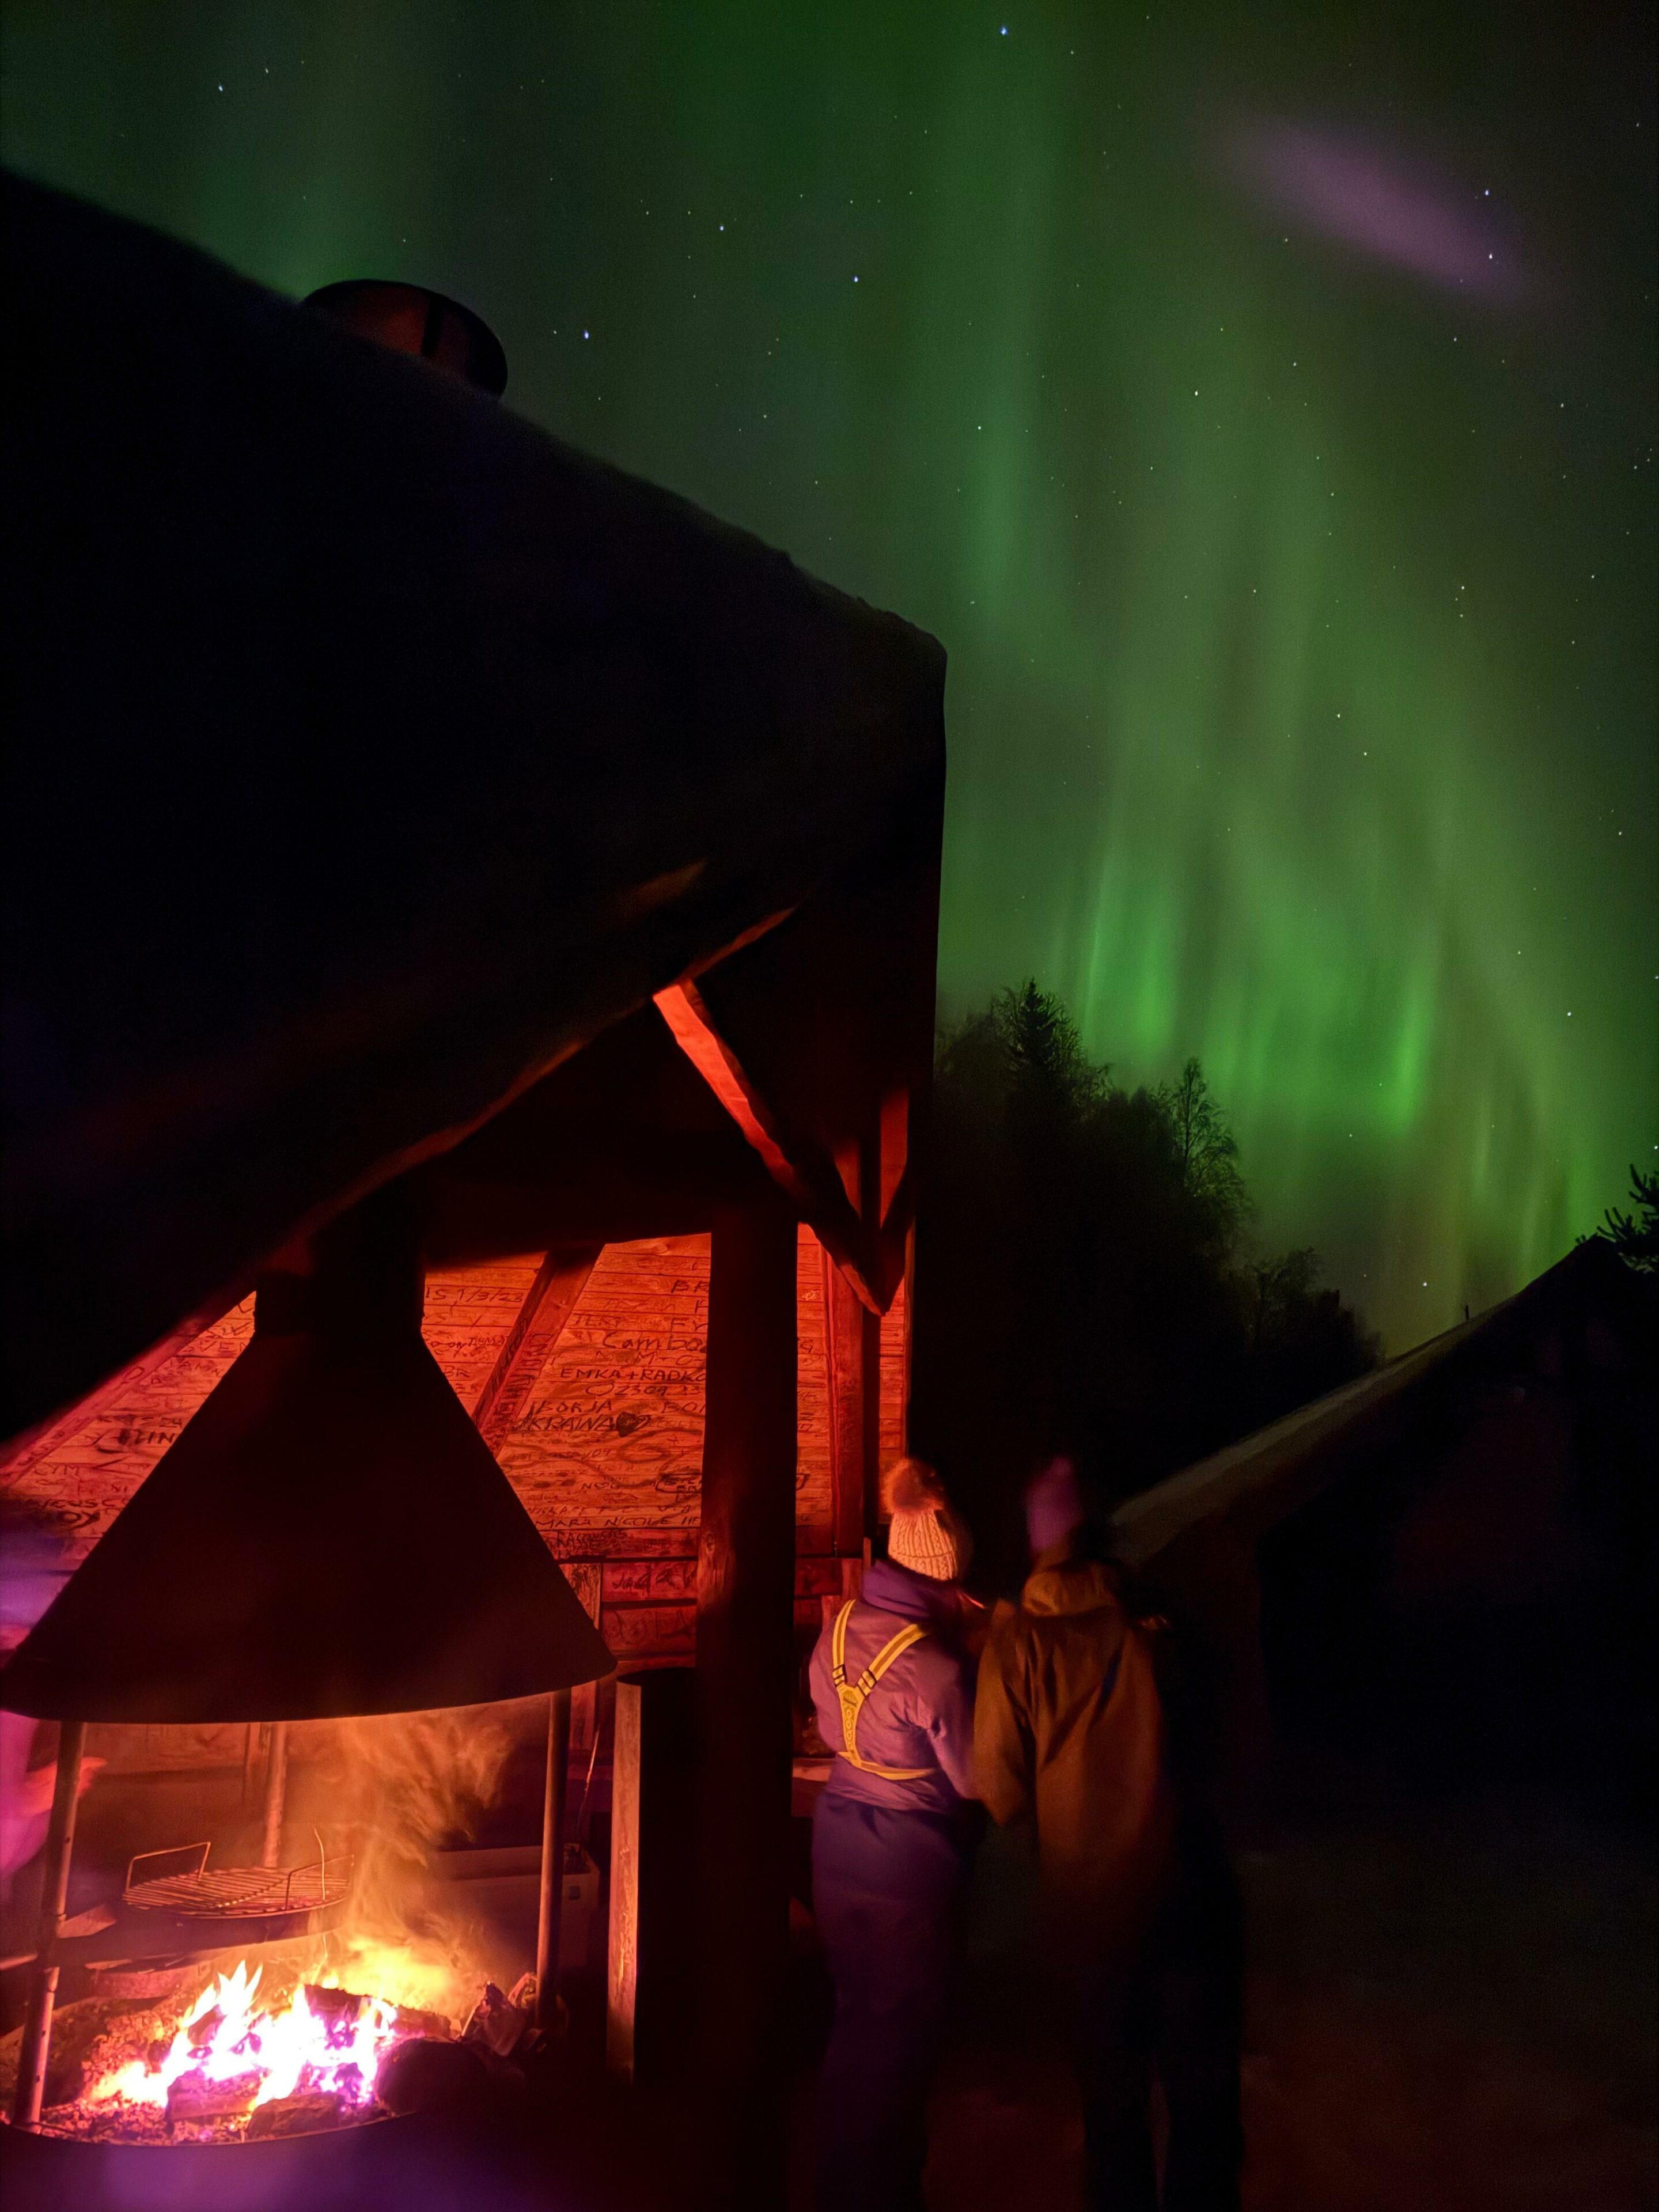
435 1594
245 2062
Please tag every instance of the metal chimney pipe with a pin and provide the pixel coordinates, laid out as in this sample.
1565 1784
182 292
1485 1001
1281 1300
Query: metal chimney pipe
415 319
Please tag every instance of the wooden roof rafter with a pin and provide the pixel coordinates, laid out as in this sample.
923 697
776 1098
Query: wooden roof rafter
33 1444
537 1325
871 1256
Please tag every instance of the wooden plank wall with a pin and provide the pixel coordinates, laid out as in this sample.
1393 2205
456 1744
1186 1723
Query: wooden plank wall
77 1488
605 1450
607 1455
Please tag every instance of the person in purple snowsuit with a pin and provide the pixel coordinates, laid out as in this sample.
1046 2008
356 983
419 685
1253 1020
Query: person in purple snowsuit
892 1837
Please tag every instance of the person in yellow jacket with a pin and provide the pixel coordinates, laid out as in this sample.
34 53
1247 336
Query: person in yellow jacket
1072 1741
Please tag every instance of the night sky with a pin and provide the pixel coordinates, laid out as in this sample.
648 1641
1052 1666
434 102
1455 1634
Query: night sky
1262 411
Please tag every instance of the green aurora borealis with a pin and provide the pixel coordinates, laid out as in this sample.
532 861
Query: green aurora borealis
1300 604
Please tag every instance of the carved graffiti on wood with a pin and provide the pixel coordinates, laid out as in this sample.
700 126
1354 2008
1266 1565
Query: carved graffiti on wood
611 1434
607 1451
892 1381
78 1488
610 1438
633 1631
650 1582
467 1315
812 1417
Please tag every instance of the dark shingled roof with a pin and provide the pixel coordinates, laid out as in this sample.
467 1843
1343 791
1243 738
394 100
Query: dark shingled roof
370 751
1235 1495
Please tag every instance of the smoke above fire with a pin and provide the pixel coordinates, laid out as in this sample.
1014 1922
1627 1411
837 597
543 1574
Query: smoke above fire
390 1789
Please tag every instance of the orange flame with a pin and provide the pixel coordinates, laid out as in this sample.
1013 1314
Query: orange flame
289 2048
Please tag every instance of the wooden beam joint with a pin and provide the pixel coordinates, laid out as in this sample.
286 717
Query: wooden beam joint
870 1261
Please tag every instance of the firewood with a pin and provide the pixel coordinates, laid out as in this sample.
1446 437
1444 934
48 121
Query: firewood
451 2080
344 2007
306 2112
195 2102
333 2004
340 2008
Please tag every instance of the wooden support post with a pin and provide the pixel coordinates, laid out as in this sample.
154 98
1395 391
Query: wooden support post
870 1408
909 1324
745 1610
54 1891
550 1917
869 1351
270 1848
651 2028
854 1338
622 1948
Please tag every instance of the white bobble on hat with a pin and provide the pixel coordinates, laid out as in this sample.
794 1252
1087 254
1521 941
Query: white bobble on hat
924 1534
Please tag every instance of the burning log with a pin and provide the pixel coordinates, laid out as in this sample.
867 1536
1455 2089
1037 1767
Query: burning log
449 2081
308 2058
308 2112
341 2008
196 2101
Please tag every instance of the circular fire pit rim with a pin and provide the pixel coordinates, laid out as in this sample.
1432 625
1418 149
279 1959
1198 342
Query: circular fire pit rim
44 2131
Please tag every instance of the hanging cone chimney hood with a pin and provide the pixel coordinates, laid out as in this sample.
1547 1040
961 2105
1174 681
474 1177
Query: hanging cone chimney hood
328 1536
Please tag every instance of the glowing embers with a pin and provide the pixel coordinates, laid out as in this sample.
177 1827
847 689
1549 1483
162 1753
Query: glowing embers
226 2004
243 2064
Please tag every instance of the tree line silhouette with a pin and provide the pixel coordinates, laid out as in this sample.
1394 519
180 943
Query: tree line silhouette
1635 1237
1086 1280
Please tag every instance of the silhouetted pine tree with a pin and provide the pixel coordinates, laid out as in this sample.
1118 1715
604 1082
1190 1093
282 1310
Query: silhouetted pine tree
1080 1279
1636 1239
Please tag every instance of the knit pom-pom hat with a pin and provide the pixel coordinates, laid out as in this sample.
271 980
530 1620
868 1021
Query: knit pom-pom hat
924 1534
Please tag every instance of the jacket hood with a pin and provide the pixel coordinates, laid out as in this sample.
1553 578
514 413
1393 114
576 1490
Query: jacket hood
1060 1584
894 1588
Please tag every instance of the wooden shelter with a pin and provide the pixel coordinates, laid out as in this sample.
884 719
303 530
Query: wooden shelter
400 796
1459 1546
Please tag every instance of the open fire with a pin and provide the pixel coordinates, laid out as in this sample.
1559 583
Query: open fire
369 1992
244 2064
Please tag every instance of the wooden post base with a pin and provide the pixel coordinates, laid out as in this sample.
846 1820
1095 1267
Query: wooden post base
551 1915
745 1606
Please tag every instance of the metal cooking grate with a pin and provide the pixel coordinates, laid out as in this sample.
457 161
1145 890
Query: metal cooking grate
202 1893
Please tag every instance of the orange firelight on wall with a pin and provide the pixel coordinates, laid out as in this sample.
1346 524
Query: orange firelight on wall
409 318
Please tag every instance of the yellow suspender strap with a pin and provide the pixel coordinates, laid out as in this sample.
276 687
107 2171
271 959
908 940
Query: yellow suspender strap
852 1695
